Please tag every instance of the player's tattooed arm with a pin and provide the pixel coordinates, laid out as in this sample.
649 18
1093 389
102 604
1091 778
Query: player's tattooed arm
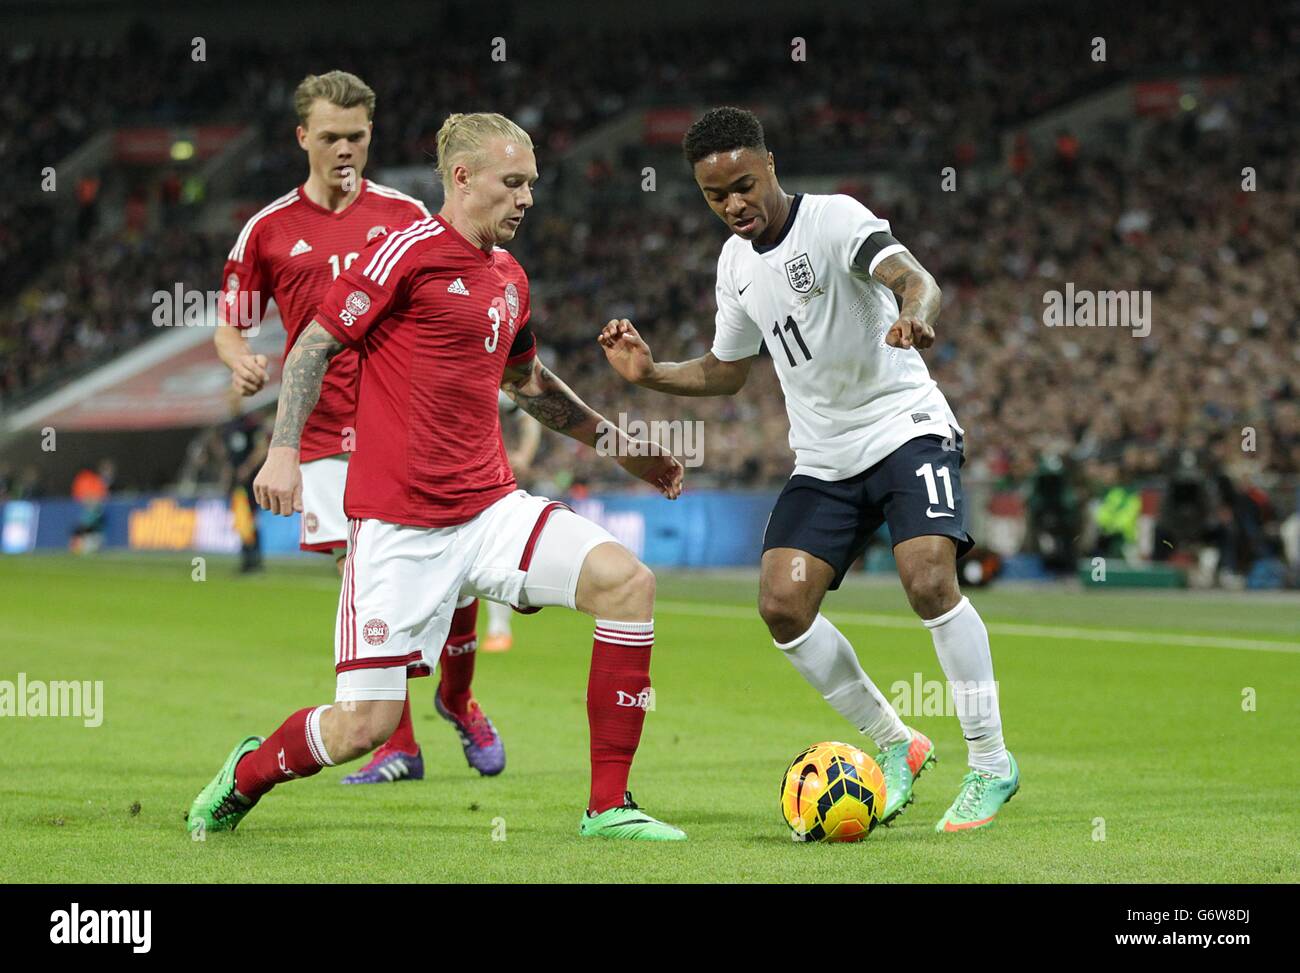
630 356
919 300
537 391
304 370
278 487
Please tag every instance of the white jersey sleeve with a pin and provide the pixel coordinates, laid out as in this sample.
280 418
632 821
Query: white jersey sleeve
845 226
735 334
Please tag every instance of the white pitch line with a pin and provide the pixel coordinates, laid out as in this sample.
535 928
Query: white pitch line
1002 628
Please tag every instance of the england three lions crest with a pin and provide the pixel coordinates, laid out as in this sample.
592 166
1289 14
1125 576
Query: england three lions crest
799 272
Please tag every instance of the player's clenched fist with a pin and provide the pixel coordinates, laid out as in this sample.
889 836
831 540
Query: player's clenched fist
249 374
278 487
626 351
908 331
651 462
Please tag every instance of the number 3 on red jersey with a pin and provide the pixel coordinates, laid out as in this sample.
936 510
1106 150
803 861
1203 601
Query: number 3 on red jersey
496 312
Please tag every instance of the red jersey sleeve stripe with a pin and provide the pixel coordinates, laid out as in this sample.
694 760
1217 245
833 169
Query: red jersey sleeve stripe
380 277
392 242
387 243
241 242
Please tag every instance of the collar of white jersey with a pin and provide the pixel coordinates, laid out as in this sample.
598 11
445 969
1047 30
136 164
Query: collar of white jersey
785 230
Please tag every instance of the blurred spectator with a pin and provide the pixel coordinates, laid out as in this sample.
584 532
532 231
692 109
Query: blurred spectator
1054 516
1187 519
1115 515
245 439
90 488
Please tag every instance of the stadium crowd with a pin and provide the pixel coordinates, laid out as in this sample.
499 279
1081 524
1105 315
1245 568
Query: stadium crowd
828 108
1210 394
1211 391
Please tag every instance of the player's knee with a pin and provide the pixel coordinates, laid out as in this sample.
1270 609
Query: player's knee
635 592
615 585
784 613
932 590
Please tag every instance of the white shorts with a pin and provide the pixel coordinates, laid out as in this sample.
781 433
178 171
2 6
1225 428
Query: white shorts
324 525
402 584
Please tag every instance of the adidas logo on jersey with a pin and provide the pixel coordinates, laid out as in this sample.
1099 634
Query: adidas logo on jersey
299 248
457 286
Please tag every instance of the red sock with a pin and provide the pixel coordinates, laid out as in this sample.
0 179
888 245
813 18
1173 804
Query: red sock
403 737
294 750
457 662
618 694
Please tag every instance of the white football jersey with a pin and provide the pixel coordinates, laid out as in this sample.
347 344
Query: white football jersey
852 400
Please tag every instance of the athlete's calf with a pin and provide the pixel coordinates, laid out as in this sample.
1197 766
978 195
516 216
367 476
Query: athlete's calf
354 728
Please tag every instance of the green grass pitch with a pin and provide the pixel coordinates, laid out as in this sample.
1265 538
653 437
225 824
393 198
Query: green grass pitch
1156 734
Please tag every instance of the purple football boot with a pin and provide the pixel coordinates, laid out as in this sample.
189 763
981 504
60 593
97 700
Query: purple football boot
387 765
478 737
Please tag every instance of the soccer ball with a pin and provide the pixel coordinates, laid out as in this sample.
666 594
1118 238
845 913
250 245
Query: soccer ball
832 792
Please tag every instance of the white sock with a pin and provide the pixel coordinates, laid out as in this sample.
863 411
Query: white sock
498 618
962 644
315 742
825 658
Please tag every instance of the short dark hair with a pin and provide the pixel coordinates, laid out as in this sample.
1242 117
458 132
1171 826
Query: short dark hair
721 130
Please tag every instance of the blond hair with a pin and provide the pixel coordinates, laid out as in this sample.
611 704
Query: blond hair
338 88
467 135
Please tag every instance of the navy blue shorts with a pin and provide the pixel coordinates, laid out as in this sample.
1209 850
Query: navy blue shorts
916 489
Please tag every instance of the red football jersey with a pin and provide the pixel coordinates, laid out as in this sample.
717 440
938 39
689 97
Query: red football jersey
290 252
436 321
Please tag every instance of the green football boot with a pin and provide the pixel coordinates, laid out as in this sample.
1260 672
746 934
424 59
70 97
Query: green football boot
901 764
628 822
219 807
979 800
